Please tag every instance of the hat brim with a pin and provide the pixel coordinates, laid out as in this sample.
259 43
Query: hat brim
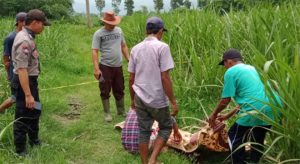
115 22
221 63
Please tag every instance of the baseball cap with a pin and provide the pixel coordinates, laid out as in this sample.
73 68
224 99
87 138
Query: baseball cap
155 23
20 17
38 15
231 54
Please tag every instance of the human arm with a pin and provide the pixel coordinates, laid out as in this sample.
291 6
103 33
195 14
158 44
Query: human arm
95 61
131 82
167 85
223 117
125 51
24 81
6 61
220 107
176 134
7 46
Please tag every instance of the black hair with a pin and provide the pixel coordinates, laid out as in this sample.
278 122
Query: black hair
152 29
28 21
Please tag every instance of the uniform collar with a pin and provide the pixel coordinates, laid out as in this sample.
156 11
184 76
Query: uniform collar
30 32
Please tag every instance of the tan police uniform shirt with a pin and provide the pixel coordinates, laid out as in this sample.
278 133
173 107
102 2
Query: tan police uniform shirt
25 54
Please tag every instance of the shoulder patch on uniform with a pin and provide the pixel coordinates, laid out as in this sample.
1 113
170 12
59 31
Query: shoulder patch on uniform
24 46
25 49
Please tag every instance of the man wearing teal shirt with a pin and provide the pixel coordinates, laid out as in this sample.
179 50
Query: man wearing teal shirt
243 84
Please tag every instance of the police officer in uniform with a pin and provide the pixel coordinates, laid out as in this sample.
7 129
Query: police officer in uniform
26 71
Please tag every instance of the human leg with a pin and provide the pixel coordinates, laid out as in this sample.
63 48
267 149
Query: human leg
33 132
237 136
257 135
105 88
163 117
158 145
34 115
26 119
20 127
106 108
118 89
143 148
9 101
6 104
145 123
19 131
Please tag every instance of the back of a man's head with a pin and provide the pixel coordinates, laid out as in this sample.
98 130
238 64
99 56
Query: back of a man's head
153 25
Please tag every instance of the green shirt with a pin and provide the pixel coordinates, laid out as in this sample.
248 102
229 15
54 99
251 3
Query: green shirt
243 84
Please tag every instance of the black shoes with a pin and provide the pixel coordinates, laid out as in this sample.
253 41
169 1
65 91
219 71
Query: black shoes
22 153
34 143
21 149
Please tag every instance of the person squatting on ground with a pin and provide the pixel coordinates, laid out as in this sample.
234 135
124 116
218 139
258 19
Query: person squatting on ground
25 81
7 58
109 40
151 87
243 84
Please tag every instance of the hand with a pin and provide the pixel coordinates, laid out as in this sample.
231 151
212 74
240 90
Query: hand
212 120
6 65
222 117
97 73
177 136
29 101
175 109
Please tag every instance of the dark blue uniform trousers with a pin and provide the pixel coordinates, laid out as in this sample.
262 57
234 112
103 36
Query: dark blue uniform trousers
27 120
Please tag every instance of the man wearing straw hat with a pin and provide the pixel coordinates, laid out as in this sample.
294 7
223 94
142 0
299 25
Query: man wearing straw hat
109 40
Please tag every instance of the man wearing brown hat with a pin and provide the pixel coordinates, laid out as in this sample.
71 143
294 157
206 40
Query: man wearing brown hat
243 84
109 40
26 71
7 58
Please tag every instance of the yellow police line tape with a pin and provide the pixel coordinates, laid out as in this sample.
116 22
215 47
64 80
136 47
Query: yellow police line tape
67 86
90 82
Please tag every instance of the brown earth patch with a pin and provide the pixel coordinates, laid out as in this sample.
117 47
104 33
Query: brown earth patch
73 114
